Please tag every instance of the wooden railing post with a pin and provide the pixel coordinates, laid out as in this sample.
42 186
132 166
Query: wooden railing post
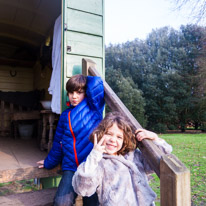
174 176
174 182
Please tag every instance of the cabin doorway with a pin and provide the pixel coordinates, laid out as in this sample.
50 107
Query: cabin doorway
26 34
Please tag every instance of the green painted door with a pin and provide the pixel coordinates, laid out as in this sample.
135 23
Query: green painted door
83 37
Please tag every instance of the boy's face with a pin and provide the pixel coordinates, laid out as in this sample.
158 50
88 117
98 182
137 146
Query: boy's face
76 97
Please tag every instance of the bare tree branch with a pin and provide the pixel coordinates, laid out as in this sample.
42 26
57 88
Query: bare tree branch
196 8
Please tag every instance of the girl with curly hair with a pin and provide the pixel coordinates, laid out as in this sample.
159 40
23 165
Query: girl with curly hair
115 169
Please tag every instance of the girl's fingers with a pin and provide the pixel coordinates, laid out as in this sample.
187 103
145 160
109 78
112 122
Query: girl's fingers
95 139
101 140
139 130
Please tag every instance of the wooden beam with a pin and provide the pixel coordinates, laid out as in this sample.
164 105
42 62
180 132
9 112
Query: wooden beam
9 175
43 197
34 198
86 64
174 182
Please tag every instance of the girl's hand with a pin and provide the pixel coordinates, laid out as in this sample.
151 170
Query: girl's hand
41 163
145 134
99 146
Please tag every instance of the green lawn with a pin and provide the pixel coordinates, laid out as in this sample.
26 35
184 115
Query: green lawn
191 150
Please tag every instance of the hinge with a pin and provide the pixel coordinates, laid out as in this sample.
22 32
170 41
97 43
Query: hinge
69 48
65 27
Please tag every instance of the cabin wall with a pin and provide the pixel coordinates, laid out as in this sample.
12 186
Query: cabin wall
21 79
42 78
16 79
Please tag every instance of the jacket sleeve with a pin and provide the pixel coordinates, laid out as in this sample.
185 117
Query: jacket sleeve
88 175
95 93
55 155
162 145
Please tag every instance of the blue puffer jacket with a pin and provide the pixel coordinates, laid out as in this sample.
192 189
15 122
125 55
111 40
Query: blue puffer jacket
71 143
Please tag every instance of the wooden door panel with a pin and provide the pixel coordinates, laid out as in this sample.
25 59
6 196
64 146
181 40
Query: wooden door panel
84 22
91 6
84 44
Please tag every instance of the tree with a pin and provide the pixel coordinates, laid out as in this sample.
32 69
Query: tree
128 92
196 8
169 68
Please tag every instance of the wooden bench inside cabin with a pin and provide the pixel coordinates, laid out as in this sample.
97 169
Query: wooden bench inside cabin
23 116
16 107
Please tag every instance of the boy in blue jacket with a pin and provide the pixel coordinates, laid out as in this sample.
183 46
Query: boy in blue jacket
71 144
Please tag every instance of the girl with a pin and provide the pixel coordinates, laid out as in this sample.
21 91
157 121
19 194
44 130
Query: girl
115 169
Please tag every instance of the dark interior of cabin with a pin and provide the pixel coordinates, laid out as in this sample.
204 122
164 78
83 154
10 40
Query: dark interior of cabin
26 31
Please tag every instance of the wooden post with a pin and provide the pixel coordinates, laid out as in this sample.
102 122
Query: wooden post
86 63
174 182
174 176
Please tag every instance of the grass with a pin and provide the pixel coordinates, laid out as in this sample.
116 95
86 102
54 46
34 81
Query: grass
17 187
191 150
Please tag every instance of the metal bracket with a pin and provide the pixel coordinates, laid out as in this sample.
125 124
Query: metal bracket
69 48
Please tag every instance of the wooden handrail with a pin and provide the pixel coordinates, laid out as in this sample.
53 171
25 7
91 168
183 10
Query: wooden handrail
174 176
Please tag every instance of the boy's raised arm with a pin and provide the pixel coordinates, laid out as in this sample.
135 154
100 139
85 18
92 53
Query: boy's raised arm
95 92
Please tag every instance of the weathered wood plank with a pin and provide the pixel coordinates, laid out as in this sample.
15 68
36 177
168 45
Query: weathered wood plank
84 22
84 44
18 160
174 182
35 198
91 6
27 173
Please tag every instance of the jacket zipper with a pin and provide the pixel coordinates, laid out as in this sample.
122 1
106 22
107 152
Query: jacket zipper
74 140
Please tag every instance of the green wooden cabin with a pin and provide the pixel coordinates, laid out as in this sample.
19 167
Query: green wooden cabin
26 33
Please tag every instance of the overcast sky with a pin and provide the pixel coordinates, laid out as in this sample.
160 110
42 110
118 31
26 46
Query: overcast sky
129 19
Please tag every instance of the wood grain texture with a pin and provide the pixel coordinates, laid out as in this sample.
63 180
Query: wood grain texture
35 198
18 160
174 182
91 6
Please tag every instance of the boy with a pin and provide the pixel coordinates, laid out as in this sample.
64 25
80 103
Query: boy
71 143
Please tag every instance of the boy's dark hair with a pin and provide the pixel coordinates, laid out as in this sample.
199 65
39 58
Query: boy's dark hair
76 83
129 142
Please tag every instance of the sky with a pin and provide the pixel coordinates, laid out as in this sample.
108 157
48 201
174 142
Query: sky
126 20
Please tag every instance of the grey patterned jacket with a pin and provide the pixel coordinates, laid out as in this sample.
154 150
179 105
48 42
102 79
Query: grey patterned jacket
118 180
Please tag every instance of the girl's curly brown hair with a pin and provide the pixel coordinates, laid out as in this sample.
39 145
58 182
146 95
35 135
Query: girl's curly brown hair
129 142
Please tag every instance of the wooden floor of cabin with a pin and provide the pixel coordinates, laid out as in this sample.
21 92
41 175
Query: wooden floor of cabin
19 153
18 159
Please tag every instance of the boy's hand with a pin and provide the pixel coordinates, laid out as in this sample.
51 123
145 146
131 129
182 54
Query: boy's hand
145 134
41 163
99 146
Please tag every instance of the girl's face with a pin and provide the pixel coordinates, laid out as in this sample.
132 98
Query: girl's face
113 140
